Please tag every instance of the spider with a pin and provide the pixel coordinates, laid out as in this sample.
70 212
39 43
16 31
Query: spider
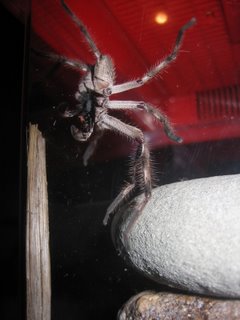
91 118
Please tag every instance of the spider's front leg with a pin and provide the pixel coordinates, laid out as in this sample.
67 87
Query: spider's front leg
156 113
62 60
141 171
160 66
83 29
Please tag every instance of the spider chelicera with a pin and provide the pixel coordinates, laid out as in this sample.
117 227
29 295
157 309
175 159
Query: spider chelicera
91 118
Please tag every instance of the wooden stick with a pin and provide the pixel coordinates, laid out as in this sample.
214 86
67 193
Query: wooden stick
37 231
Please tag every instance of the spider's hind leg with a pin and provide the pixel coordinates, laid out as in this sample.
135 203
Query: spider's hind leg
118 200
140 178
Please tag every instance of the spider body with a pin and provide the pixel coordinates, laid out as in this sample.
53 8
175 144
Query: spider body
93 97
90 116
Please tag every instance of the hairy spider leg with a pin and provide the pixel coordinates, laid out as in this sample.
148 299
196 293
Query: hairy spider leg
117 201
59 59
141 163
160 66
83 29
141 105
141 176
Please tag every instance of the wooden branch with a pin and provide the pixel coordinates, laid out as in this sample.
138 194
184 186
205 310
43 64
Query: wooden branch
37 231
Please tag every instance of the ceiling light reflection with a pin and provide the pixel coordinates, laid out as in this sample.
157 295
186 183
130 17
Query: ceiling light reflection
161 17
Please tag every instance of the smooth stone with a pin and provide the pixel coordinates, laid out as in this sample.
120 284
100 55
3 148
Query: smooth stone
188 236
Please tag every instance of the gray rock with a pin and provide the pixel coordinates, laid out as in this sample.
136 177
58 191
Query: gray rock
188 236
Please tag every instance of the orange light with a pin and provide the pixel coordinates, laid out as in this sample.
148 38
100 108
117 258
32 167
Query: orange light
161 17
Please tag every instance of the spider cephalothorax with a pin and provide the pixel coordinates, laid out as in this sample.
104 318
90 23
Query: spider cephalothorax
91 118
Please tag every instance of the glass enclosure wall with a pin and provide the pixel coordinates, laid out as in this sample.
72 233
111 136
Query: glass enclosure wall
197 96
